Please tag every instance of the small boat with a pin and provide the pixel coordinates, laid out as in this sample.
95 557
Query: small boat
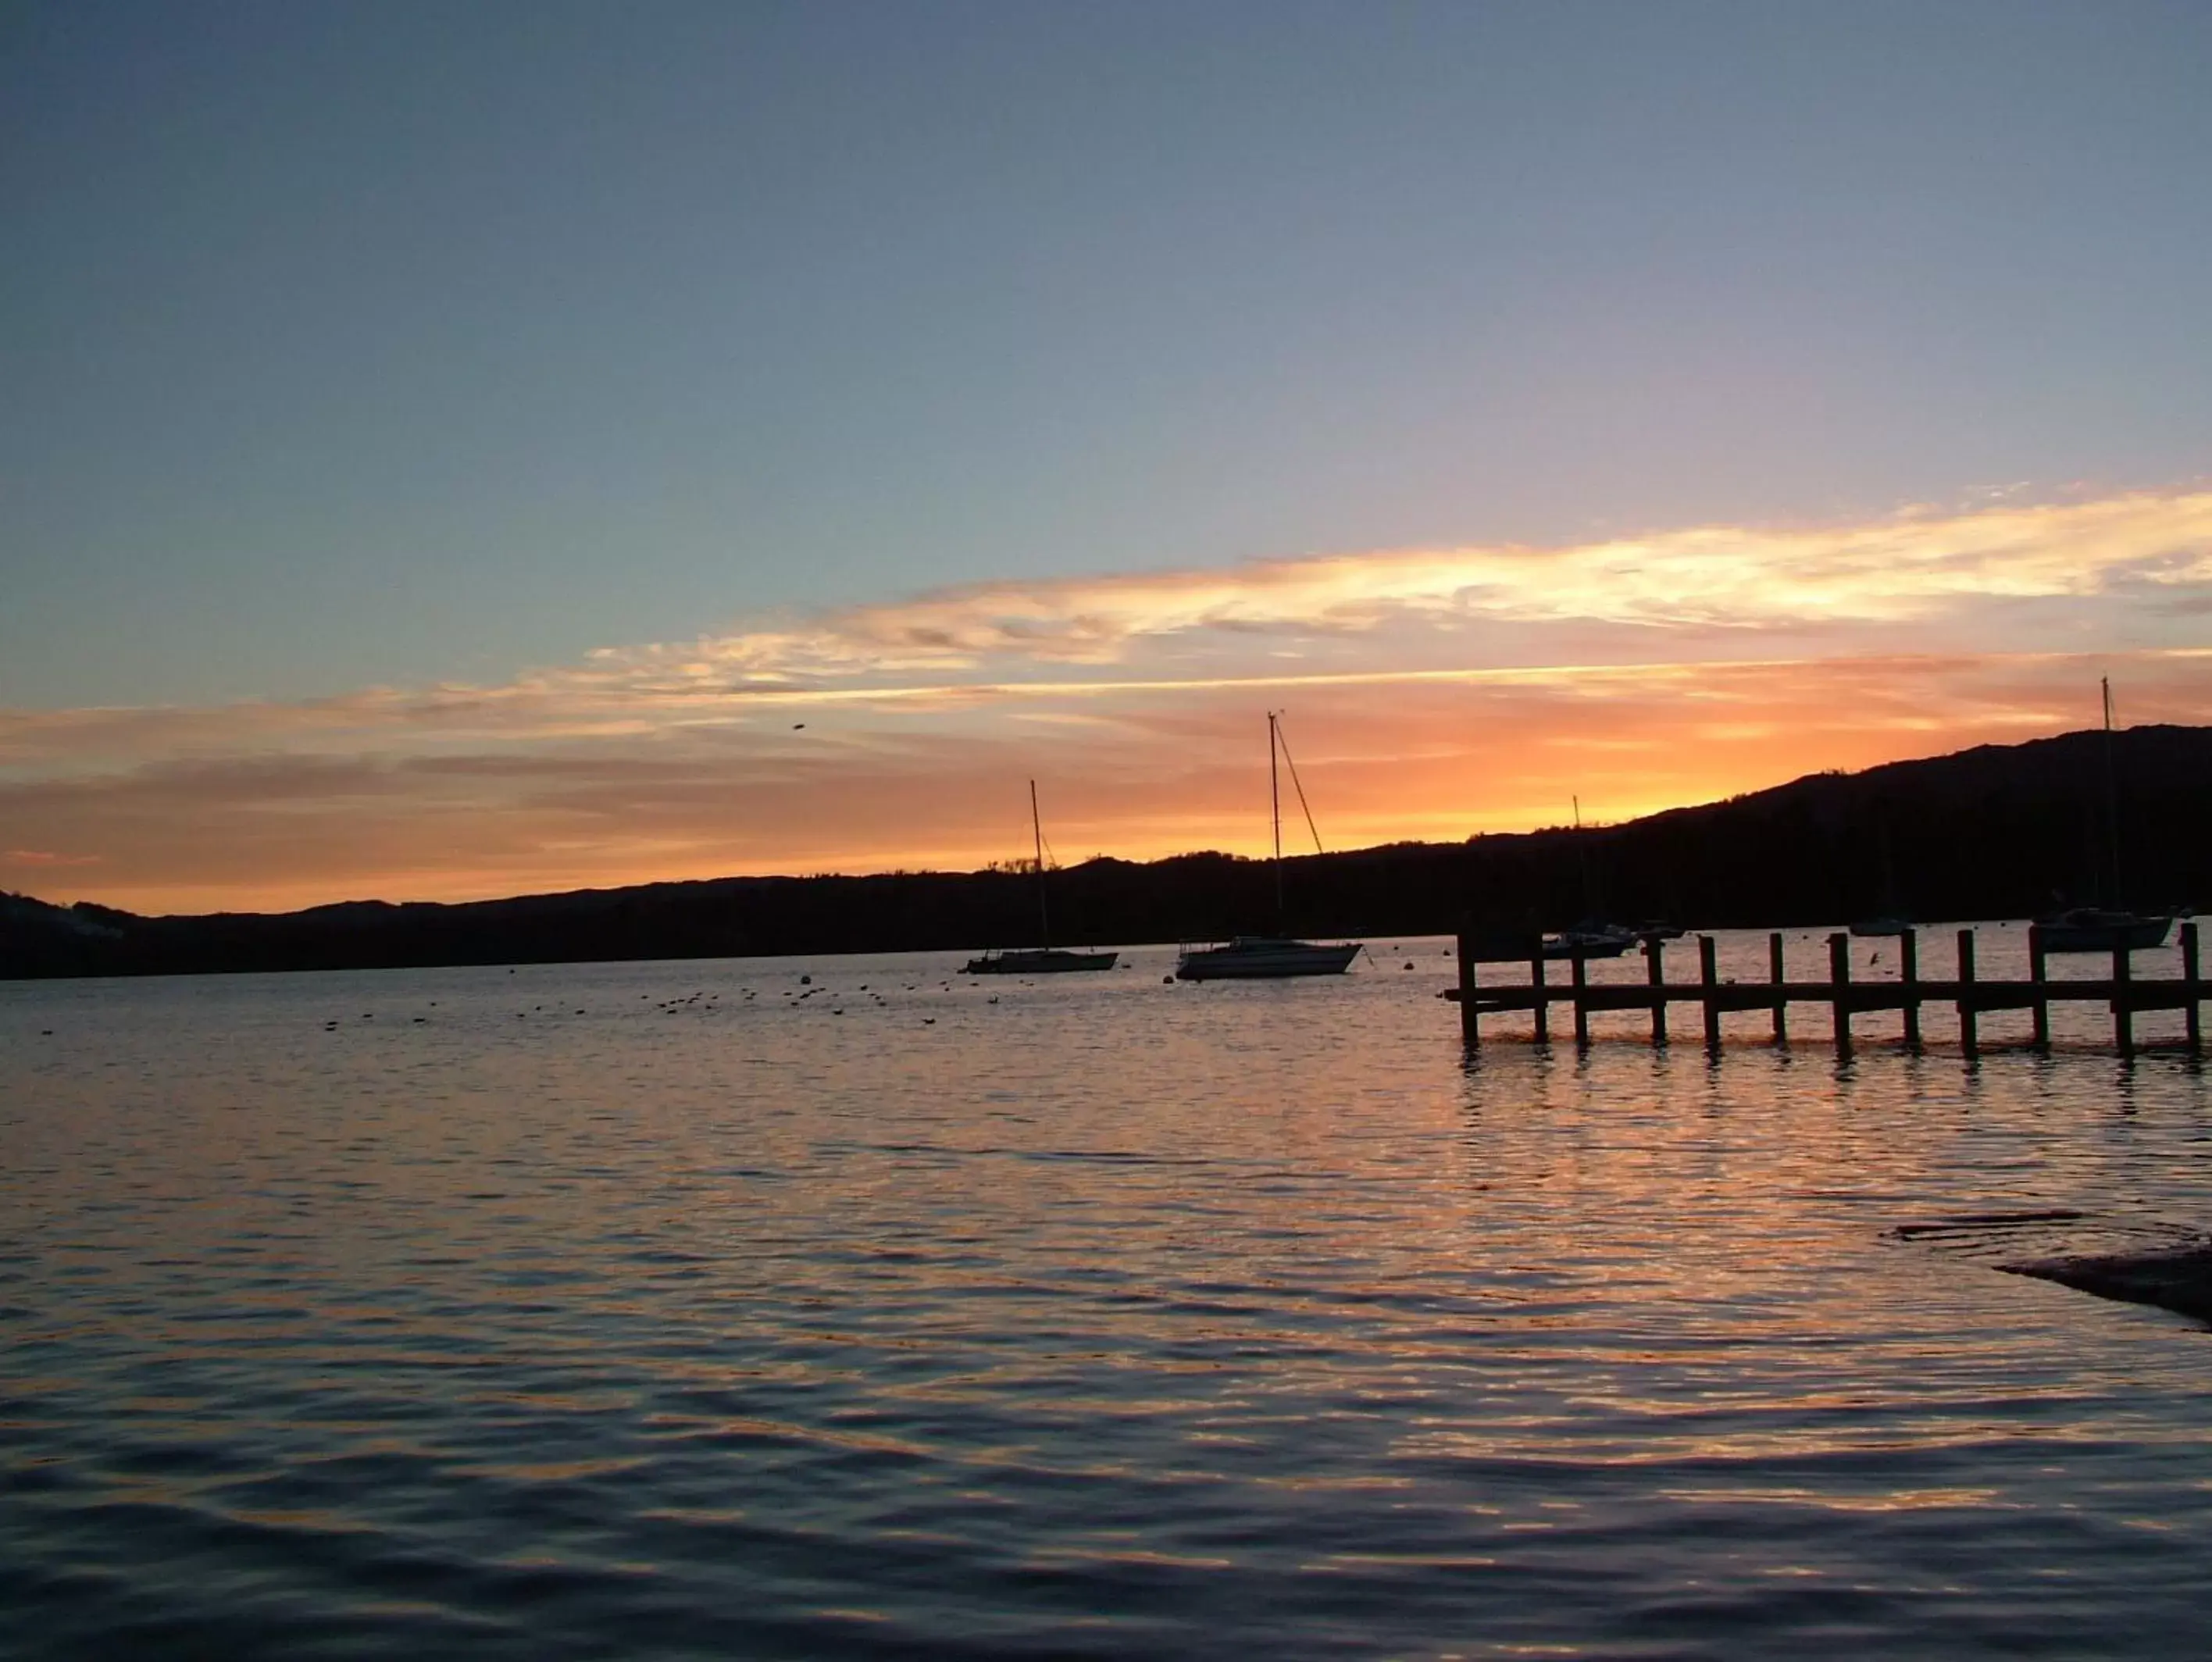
1651 929
1880 928
1269 957
1590 939
2099 929
1045 960
1262 957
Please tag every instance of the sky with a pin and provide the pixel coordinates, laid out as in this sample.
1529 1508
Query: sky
458 451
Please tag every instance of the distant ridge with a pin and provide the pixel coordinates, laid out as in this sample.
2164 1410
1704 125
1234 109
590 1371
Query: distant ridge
1995 831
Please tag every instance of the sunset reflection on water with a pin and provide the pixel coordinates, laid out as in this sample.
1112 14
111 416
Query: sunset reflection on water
1113 1318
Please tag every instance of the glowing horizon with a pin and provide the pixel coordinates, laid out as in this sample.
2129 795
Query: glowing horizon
1638 674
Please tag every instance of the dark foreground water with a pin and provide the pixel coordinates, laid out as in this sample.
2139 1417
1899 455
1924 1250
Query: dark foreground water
532 1315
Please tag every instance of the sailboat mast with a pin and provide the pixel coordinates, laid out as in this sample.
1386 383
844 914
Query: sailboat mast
1037 833
2111 790
1581 860
1275 813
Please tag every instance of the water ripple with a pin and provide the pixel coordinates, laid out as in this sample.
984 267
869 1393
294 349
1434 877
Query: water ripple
1126 1320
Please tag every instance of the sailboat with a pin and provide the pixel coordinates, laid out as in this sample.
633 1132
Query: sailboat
1043 958
1593 937
2106 929
1891 920
1269 957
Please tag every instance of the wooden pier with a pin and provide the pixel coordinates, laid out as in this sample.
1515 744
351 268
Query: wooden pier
1968 996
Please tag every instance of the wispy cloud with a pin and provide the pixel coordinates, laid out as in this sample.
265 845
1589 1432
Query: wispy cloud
1434 693
1915 568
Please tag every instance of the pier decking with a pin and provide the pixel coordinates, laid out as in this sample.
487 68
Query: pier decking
1842 997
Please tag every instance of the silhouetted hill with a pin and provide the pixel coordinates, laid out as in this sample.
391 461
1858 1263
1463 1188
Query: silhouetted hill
2000 831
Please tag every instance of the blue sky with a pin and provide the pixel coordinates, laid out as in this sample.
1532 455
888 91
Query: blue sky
399 345
369 344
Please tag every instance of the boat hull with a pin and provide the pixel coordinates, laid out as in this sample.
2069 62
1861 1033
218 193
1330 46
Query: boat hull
2112 932
1264 960
1556 949
1880 928
1038 961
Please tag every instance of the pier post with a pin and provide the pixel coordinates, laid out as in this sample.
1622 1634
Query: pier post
1774 973
1908 945
1470 1024
1839 982
1536 995
1969 1015
1581 1009
1655 972
2038 972
2124 1009
2192 989
1709 978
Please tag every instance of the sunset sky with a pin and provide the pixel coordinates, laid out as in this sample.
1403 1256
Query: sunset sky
451 450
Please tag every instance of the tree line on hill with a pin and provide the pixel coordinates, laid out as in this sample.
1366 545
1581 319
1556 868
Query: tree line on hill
1998 831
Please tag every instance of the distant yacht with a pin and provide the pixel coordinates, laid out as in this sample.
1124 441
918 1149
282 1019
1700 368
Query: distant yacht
2107 929
1270 957
1263 957
1038 961
1045 959
2099 929
1890 920
1880 928
1592 938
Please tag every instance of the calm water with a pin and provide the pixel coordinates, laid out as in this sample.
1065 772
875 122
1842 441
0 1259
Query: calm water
533 1315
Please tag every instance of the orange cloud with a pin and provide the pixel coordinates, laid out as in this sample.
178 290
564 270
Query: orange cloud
1431 694
1155 772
